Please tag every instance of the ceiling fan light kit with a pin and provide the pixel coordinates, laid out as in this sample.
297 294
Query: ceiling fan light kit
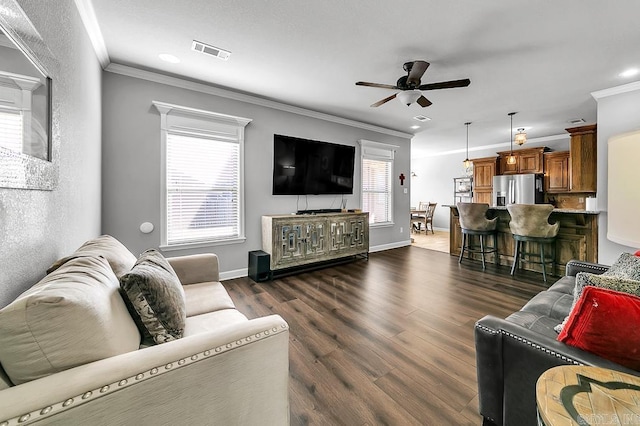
408 97
410 87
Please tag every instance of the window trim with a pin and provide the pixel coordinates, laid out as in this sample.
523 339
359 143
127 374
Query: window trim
174 117
382 152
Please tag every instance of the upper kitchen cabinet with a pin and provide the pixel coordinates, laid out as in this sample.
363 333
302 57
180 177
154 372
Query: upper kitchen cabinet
556 177
583 158
529 160
484 169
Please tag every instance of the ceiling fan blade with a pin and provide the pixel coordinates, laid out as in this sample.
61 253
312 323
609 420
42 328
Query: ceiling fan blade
383 101
417 71
424 102
446 84
382 86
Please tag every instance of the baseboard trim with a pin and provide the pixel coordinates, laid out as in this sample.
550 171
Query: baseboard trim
237 273
244 272
390 246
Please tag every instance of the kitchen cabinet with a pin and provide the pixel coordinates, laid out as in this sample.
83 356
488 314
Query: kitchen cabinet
556 177
529 160
583 159
484 169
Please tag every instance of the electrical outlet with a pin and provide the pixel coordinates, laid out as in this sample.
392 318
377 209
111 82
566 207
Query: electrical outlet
581 199
406 190
401 229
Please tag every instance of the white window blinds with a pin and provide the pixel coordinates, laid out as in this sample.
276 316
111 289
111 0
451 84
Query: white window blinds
11 130
203 178
377 190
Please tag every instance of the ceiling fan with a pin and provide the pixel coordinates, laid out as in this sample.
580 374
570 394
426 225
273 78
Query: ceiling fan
410 87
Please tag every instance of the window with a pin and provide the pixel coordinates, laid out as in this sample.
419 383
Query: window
11 129
202 180
377 190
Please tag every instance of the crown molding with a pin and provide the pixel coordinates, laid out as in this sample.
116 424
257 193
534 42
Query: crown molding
229 94
536 141
617 90
88 17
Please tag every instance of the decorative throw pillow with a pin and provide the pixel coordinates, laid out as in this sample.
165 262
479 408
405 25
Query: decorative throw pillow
623 275
605 322
626 266
155 297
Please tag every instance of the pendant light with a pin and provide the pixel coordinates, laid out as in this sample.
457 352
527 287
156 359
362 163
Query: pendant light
521 137
511 159
467 162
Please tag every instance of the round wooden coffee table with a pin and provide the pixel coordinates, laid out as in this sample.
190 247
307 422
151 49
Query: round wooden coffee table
579 395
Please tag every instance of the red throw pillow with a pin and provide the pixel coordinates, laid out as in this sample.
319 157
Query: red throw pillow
637 253
606 322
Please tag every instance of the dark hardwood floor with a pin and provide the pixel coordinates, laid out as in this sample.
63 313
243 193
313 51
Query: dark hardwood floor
386 341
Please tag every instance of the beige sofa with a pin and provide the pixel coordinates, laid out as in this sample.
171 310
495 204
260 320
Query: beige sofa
226 370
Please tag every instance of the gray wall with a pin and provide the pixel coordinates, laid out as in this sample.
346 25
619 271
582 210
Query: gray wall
132 169
616 114
434 180
37 227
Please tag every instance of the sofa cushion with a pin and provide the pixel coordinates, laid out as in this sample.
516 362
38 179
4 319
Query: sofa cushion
212 321
119 257
73 316
605 322
536 322
155 297
206 297
551 304
564 285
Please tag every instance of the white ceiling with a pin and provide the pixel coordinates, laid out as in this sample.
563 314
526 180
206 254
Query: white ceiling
541 59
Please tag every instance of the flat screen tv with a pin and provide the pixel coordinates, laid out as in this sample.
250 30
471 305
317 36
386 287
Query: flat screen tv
303 166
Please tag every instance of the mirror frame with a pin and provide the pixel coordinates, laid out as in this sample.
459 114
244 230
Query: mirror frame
19 170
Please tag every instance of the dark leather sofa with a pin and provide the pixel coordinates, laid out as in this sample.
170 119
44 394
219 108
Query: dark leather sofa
512 353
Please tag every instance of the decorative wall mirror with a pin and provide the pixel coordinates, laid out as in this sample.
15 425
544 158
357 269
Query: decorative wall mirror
28 132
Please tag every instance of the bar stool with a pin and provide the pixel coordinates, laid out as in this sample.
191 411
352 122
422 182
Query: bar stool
473 221
530 222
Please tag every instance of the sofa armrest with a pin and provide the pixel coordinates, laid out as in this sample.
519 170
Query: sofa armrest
507 387
235 375
575 266
196 268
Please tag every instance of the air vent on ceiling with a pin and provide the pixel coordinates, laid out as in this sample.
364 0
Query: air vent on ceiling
207 49
421 118
576 121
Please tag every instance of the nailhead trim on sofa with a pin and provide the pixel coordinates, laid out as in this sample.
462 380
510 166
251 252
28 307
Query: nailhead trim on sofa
59 407
528 342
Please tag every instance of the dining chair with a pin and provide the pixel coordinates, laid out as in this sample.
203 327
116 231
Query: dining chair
428 220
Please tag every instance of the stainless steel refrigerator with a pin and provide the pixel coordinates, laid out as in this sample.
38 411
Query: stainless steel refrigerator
518 189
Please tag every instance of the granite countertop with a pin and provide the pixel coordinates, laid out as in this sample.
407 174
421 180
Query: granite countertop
554 210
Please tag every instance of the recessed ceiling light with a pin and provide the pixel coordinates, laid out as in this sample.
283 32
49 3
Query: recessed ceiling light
169 58
421 118
629 73
415 127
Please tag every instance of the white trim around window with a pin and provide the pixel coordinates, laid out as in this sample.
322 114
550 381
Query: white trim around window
376 192
202 182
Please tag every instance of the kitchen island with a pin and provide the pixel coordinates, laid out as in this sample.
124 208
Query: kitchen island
577 238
